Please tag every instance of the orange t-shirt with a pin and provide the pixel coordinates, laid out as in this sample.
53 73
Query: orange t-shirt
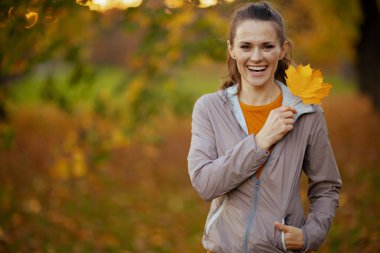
255 117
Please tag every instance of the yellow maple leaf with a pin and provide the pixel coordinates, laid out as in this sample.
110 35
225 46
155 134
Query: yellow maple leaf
307 84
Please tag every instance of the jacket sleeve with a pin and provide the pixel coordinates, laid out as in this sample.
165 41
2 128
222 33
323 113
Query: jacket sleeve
324 184
211 174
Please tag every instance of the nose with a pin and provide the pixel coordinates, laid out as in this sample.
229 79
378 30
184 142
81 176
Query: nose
256 55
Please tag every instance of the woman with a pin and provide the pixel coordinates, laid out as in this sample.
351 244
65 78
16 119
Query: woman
249 148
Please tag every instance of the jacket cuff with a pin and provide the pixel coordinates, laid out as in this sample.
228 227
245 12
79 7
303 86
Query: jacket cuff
260 151
305 239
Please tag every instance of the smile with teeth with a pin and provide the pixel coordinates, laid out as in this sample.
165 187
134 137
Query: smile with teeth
257 68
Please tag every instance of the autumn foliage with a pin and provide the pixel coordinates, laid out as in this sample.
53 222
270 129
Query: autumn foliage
64 192
95 121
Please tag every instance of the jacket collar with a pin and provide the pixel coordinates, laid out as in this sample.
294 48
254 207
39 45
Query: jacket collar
287 99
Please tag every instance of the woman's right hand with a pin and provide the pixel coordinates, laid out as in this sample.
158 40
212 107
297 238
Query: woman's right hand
279 122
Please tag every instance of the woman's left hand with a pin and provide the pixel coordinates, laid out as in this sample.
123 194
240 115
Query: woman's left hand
293 236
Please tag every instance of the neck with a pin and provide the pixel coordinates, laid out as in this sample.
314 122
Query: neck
257 96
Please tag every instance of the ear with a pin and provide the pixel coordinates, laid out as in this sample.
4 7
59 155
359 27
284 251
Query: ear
229 46
284 49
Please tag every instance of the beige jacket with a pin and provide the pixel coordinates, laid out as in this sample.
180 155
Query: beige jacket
222 163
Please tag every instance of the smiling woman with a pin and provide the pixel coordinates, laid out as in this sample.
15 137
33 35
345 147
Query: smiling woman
249 148
256 50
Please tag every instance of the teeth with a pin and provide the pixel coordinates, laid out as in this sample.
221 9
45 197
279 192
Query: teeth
257 68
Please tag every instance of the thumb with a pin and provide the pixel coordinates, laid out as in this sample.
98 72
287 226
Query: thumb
281 227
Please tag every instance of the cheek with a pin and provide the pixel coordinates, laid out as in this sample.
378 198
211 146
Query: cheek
273 59
240 66
241 58
274 56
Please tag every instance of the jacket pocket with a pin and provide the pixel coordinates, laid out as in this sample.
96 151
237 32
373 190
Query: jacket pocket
279 238
216 215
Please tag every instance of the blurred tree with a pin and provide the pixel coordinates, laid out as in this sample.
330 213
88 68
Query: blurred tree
37 31
319 40
368 51
154 40
150 44
41 31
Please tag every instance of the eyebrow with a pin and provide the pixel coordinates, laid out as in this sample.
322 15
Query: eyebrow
249 43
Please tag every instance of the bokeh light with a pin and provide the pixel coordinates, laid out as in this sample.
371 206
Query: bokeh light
104 5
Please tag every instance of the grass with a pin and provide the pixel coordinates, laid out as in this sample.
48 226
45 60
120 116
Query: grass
99 81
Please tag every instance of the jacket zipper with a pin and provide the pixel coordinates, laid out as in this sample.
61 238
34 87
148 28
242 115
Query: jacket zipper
216 215
255 203
252 215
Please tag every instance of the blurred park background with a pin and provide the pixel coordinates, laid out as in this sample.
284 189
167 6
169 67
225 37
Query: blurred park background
95 113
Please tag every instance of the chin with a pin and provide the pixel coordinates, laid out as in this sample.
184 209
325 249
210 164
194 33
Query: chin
261 81
258 83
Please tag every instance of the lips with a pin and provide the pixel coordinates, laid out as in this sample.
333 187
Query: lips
257 68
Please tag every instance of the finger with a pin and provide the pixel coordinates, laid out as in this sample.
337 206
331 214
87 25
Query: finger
278 225
285 108
281 227
293 110
289 121
288 108
287 114
285 129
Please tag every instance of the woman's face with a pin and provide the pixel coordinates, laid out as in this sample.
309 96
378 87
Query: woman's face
257 50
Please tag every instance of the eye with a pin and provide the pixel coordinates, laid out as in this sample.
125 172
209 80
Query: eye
268 46
244 46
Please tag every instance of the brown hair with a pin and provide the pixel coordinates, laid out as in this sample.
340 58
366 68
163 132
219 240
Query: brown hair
257 11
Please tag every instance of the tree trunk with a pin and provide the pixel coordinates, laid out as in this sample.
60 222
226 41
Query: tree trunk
368 51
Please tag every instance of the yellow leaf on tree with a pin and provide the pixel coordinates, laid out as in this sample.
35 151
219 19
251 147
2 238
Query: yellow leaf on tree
307 84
